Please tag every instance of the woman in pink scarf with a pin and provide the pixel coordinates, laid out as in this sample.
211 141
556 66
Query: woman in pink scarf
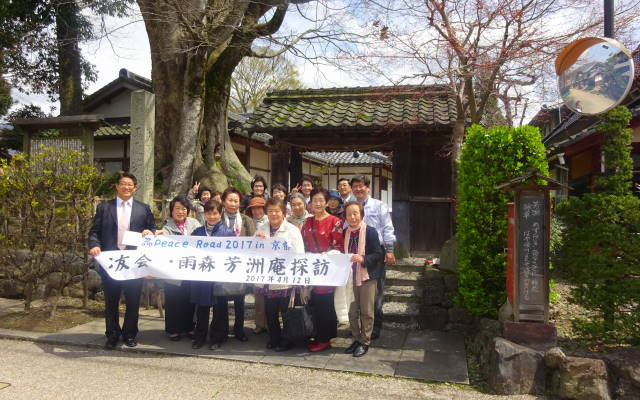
368 261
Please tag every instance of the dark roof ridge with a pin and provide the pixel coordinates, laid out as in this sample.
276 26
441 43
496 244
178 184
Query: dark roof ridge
125 78
364 91
133 77
378 155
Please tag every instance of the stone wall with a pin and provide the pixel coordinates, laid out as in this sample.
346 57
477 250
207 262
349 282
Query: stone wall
440 281
67 274
515 368
439 311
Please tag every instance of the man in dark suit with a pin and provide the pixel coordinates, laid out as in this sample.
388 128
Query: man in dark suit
112 219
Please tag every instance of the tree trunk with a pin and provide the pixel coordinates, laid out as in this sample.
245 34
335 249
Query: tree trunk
168 100
190 119
29 289
168 72
56 301
457 139
69 68
221 167
85 281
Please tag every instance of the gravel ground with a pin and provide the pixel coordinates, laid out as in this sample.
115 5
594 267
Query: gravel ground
41 371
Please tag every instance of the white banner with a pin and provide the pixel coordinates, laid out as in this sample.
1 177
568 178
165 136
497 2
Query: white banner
225 259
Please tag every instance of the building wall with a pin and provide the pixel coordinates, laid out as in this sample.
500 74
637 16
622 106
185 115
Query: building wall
111 155
118 107
260 163
109 148
255 157
380 178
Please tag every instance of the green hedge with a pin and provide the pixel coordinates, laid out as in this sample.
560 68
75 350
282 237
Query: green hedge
601 256
601 243
489 157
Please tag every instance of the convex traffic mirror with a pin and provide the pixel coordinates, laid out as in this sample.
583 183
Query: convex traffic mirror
594 74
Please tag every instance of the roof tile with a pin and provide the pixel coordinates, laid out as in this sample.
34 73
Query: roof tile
347 158
375 107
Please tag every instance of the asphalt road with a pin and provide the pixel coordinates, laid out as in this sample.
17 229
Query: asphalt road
42 371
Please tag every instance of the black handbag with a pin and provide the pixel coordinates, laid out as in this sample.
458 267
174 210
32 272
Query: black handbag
298 321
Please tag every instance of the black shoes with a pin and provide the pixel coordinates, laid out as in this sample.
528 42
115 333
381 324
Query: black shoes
197 344
111 343
175 338
352 348
361 350
375 335
283 346
131 342
215 346
242 338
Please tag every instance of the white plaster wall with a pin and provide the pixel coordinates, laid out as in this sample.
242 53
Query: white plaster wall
350 171
306 168
332 181
120 106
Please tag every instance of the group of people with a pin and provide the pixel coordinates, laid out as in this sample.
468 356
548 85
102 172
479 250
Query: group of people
311 219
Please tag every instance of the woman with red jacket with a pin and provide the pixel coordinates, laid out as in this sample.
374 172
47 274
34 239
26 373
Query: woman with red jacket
321 233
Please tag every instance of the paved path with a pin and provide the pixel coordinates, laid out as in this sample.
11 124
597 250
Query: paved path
430 355
44 371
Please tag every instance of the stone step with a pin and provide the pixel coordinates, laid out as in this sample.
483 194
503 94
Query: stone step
403 289
398 313
405 267
403 298
404 278
403 294
401 313
401 309
408 264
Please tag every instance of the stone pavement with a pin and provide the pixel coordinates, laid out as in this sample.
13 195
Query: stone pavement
43 371
428 355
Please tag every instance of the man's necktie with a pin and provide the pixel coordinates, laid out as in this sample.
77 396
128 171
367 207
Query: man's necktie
123 225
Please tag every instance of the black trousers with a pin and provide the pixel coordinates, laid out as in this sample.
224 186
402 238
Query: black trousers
378 316
220 329
202 324
274 308
325 316
178 309
112 290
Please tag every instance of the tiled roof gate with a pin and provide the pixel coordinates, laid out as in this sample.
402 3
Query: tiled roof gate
372 109
414 122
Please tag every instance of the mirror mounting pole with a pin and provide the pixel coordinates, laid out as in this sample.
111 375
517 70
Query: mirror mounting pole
608 19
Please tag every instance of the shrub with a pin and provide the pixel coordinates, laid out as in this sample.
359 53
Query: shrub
47 204
489 158
617 153
601 243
